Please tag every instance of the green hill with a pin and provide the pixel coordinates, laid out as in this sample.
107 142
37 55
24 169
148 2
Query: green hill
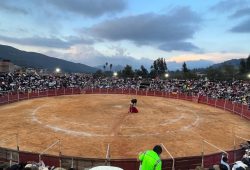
37 60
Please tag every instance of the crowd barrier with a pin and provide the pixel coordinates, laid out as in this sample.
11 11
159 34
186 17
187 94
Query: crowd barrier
182 163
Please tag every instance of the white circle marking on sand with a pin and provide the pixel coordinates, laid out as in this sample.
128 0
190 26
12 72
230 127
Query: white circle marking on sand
117 106
87 134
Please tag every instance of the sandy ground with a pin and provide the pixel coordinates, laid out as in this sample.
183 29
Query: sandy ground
86 124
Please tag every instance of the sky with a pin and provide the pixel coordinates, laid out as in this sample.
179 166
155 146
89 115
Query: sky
134 32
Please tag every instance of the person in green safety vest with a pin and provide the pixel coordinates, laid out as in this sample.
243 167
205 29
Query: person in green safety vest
150 160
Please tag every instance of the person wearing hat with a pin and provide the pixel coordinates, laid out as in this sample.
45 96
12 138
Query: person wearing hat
150 159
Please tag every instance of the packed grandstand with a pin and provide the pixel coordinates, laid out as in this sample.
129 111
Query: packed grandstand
237 91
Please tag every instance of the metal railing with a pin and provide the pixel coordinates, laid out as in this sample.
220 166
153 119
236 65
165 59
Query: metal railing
169 155
17 146
58 142
214 146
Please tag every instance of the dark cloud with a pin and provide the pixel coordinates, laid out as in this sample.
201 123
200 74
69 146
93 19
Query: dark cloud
178 46
244 15
228 5
47 42
91 8
5 5
176 26
243 27
241 13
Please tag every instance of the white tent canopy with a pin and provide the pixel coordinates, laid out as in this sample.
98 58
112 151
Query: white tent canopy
106 168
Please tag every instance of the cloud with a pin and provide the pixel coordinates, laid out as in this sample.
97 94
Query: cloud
243 27
239 9
228 5
47 41
215 57
90 8
178 46
175 27
241 13
122 60
89 55
7 6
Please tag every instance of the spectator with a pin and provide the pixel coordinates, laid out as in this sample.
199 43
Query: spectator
237 91
246 157
223 164
150 160
239 166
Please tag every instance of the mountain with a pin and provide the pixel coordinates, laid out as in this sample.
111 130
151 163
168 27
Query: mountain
234 62
172 65
37 60
192 64
119 62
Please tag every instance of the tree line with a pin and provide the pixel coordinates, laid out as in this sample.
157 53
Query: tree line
159 69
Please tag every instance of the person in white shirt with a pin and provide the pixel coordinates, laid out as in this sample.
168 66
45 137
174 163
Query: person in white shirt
239 166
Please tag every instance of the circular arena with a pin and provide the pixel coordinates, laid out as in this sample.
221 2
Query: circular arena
86 124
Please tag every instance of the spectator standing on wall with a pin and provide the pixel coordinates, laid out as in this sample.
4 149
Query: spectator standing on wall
150 159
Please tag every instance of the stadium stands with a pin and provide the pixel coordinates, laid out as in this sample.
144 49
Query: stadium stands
236 91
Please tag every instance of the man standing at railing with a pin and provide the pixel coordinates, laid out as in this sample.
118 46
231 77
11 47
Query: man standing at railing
150 160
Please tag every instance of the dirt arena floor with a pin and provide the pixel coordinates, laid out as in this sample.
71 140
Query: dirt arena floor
86 124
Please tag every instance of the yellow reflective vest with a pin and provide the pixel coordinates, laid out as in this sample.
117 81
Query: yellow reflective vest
150 160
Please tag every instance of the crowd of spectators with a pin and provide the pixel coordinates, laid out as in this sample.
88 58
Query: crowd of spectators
237 91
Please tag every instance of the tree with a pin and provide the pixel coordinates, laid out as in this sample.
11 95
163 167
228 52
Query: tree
106 64
228 71
119 73
128 71
214 73
138 72
104 67
98 74
248 63
242 66
159 68
184 68
110 67
186 73
144 71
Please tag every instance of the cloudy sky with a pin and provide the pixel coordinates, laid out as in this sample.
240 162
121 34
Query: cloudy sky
128 31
